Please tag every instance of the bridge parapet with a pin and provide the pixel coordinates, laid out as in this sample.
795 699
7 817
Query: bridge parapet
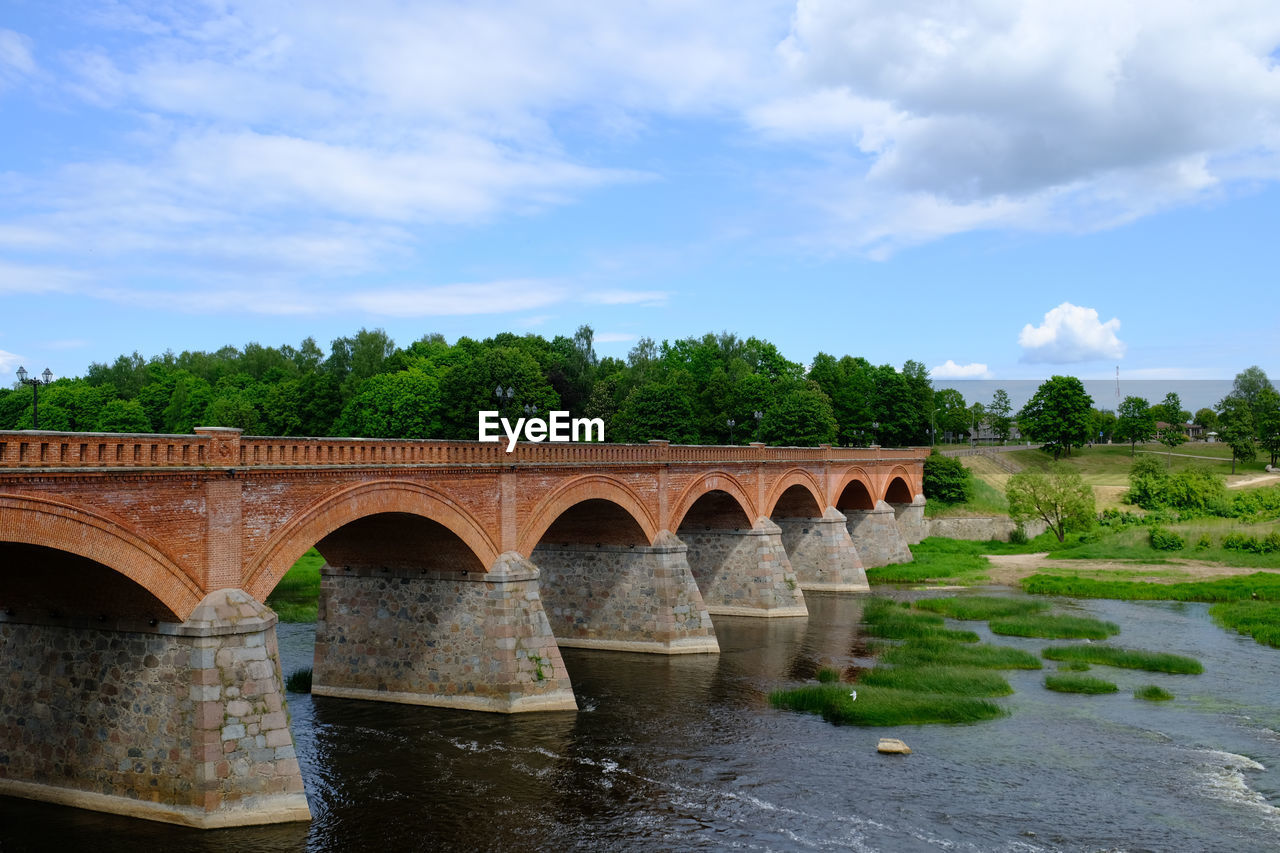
215 447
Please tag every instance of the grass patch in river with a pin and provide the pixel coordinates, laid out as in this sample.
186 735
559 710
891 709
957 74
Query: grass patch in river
1258 619
944 653
881 617
1074 666
1070 683
931 678
1054 626
981 607
827 675
298 681
1126 658
884 706
1152 693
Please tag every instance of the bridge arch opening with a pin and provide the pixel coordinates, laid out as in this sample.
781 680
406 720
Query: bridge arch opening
796 502
594 521
857 496
708 530
43 584
898 492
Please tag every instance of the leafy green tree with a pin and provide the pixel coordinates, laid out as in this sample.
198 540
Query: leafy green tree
1135 422
468 388
394 405
1104 425
232 408
1058 415
1235 419
657 410
801 416
951 413
123 416
1000 414
946 480
1170 411
1267 420
1058 496
1207 419
1248 385
1148 483
67 405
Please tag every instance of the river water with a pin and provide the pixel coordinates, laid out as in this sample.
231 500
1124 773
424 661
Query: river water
684 753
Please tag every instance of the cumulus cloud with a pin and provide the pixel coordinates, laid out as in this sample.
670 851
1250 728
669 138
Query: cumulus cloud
614 337
9 362
951 370
16 60
1071 334
648 298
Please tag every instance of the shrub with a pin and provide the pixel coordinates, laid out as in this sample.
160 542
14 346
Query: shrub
1148 483
1204 542
1165 540
946 480
1018 536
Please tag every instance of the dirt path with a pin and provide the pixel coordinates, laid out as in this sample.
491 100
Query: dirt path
1011 568
1259 480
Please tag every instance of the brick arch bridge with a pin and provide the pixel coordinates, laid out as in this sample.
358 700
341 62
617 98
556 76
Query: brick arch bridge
454 573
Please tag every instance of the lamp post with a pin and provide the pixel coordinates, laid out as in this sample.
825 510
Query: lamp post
504 395
732 423
757 414
35 382
530 410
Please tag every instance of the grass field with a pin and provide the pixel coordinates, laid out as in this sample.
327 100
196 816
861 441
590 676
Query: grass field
297 596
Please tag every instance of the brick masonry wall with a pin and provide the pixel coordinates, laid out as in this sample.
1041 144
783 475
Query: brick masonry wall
876 536
744 572
186 724
632 599
479 641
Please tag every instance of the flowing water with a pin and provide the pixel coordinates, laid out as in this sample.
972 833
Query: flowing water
685 753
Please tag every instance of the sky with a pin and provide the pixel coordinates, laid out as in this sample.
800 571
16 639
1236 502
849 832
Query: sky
998 190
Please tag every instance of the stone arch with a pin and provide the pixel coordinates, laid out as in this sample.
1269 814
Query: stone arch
712 481
794 477
52 524
855 491
336 509
590 487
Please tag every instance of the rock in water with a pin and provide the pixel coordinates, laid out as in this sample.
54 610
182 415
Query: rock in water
893 746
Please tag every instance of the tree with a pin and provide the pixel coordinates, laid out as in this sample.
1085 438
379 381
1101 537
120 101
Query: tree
999 414
1235 418
946 480
1104 425
1207 419
468 388
1171 412
657 410
405 404
1248 384
1058 415
1266 414
801 416
123 416
950 413
1058 496
1135 422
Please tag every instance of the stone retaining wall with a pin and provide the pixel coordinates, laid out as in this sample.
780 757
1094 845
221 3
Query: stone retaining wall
980 529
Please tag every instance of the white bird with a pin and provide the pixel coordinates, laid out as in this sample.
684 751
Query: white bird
853 694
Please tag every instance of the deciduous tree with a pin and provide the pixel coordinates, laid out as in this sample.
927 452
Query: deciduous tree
1058 496
1058 415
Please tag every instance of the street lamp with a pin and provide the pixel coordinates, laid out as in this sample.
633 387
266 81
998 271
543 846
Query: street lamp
757 414
530 410
504 395
35 383
732 423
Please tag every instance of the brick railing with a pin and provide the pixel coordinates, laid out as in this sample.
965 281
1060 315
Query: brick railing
226 448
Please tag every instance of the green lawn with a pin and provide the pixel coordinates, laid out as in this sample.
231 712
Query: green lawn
297 596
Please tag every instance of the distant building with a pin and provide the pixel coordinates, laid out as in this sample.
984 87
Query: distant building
1193 432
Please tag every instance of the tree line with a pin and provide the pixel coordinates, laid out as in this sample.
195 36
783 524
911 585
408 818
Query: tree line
713 389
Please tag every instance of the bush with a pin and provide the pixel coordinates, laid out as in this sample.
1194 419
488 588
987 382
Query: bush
1018 536
299 681
1165 540
1148 483
946 480
1204 542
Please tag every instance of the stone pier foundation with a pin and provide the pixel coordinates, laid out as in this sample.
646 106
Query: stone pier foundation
474 640
178 722
744 572
910 519
625 598
822 554
876 535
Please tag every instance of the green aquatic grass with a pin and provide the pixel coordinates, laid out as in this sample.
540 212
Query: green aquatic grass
1054 626
1152 693
945 653
296 597
298 681
932 678
884 706
981 607
1070 683
1257 619
881 617
827 675
1126 658
1074 666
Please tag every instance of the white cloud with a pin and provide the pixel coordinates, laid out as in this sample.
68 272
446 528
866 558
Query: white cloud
614 337
495 297
16 59
951 370
9 362
1071 334
646 298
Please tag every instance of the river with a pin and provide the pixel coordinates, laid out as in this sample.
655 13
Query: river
684 753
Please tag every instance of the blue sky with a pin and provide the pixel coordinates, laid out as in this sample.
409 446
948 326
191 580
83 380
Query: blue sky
998 190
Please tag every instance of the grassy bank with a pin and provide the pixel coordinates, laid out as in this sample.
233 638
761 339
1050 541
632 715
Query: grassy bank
296 597
950 561
981 607
884 706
